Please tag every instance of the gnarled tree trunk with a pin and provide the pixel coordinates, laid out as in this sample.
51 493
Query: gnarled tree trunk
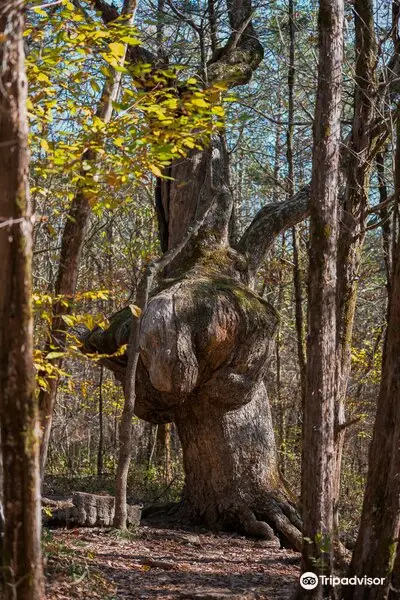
205 334
204 346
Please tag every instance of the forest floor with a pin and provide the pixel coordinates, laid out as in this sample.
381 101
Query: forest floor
101 564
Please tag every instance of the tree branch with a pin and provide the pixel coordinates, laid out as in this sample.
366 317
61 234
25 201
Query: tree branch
107 12
269 222
184 18
235 63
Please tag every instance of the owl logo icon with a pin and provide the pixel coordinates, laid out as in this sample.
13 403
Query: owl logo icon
308 581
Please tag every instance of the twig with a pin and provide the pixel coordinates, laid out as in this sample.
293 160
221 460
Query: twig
8 222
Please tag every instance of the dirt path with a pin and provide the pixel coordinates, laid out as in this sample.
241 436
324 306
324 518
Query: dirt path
93 564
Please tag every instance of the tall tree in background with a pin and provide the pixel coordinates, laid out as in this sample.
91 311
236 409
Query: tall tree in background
21 558
291 189
319 455
365 141
378 535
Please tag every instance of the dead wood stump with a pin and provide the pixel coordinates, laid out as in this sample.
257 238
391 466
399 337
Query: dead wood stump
86 510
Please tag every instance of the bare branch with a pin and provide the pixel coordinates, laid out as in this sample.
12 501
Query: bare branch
269 222
184 18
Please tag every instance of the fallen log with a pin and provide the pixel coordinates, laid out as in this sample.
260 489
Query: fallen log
86 510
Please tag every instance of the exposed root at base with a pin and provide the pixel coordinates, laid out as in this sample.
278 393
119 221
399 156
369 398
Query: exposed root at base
272 520
284 519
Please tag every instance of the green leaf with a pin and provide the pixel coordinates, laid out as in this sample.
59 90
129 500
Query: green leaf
95 86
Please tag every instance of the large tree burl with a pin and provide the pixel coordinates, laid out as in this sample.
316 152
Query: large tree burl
204 338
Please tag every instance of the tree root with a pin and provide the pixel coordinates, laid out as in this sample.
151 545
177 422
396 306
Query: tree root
272 520
285 522
242 519
276 519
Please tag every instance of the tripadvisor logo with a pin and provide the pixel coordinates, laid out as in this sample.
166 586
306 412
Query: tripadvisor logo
309 581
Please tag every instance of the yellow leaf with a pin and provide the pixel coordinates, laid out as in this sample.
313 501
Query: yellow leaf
53 355
42 77
117 49
69 320
42 383
130 40
155 170
218 110
39 11
199 102
135 310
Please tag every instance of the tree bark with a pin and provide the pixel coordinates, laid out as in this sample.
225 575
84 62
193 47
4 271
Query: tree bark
233 482
125 428
100 448
385 217
21 556
163 449
357 168
318 430
1 498
377 540
299 317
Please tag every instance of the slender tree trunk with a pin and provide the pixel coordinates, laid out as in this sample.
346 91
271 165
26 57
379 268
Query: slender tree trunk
71 249
100 449
278 346
1 498
385 218
291 188
160 28
21 556
377 540
318 439
212 20
125 428
353 214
